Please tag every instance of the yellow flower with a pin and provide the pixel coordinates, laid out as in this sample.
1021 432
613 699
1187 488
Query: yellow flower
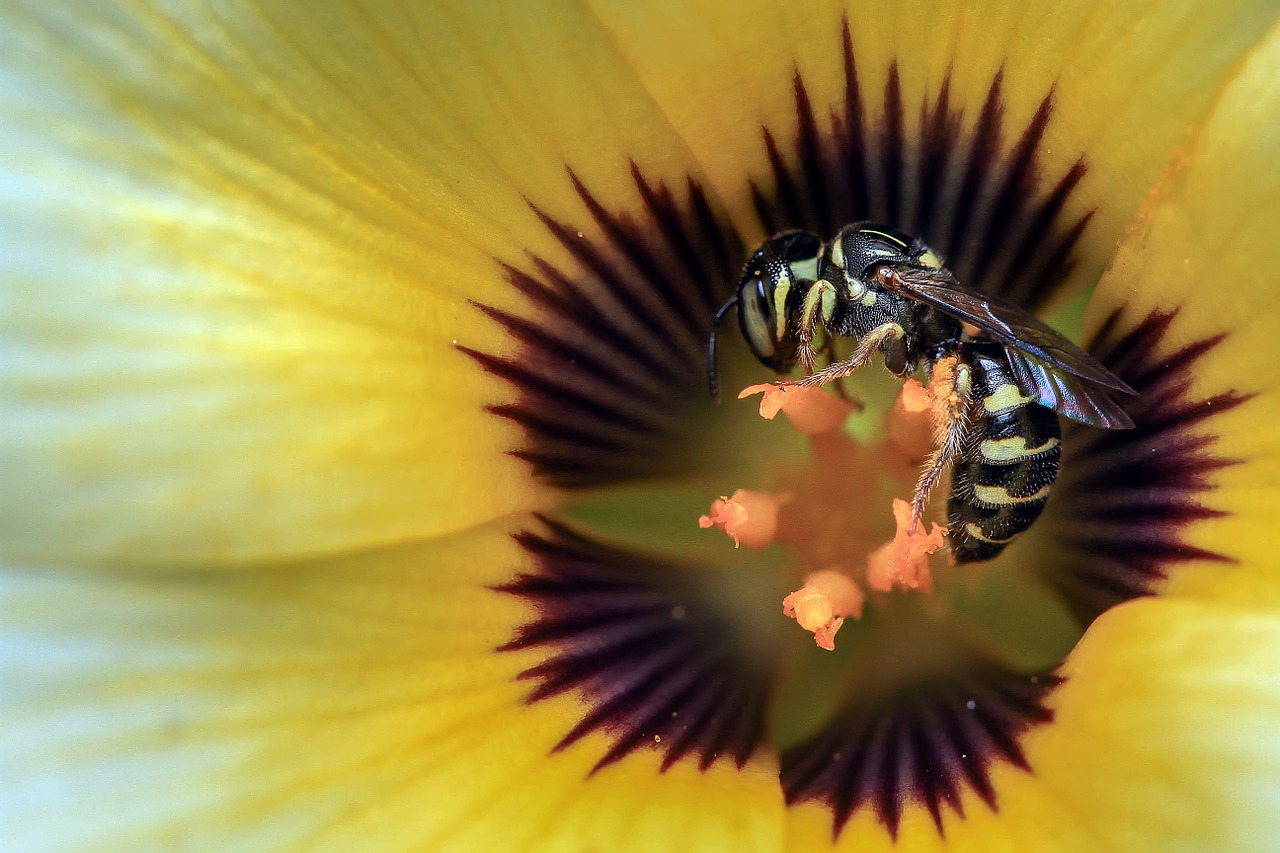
317 320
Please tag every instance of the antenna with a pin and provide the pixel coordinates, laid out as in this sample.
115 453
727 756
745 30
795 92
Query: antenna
713 383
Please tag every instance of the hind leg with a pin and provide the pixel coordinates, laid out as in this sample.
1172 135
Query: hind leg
950 388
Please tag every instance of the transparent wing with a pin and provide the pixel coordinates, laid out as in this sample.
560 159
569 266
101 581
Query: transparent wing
1060 374
1007 323
1066 393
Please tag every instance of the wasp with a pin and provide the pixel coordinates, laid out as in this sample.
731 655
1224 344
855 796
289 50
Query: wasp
1005 376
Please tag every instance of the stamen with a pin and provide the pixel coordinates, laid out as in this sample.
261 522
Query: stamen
821 605
810 411
748 517
915 397
827 523
908 432
904 562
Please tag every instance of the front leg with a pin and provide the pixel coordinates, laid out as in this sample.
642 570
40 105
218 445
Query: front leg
867 348
819 303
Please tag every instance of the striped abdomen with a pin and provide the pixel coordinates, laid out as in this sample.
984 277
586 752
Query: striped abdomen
1003 481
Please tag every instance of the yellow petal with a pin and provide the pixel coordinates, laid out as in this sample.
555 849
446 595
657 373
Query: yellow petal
240 245
351 703
1127 81
1164 734
1204 246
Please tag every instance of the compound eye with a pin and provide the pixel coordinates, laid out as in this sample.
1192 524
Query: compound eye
755 316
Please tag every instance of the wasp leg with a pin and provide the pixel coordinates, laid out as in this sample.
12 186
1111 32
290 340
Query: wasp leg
952 396
867 348
819 302
827 352
806 353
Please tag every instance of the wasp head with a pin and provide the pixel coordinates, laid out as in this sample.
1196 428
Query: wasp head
769 298
771 292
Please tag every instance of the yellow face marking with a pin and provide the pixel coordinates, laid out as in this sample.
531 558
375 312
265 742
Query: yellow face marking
868 297
1012 449
1004 398
999 496
780 304
931 260
976 532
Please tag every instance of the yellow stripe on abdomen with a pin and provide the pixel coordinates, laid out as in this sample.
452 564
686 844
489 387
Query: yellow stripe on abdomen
976 532
1005 397
999 496
1006 450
